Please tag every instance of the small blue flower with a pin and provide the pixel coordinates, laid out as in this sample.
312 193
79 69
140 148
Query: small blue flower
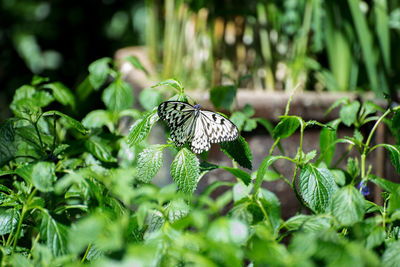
364 189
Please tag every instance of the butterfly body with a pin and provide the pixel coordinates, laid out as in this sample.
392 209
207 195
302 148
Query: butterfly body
198 127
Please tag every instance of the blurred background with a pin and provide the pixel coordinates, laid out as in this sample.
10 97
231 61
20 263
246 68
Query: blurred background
343 45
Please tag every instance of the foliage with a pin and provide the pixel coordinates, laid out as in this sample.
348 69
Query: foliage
79 192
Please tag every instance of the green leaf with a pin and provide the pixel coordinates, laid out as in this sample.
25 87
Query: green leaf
307 223
286 127
44 175
327 140
391 256
238 118
61 93
366 42
149 163
228 231
141 128
239 151
348 205
185 170
394 155
267 125
8 220
242 175
353 167
250 125
375 238
272 206
36 80
223 96
98 119
98 72
339 176
384 184
171 82
68 121
262 170
100 149
348 113
54 234
8 147
118 95
150 98
136 63
317 187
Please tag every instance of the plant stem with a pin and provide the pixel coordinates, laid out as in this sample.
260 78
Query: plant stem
366 147
86 252
21 218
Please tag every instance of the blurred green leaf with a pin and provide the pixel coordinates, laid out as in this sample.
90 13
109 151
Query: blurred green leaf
150 98
98 119
54 234
242 175
262 170
353 167
327 139
348 113
98 72
136 63
100 149
317 187
394 155
8 220
173 83
43 176
141 128
391 256
348 205
7 145
61 93
375 238
149 162
366 42
286 127
228 231
223 96
272 207
239 151
238 118
307 223
118 95
68 120
185 170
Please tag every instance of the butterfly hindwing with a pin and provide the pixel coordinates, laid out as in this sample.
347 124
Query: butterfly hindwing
197 127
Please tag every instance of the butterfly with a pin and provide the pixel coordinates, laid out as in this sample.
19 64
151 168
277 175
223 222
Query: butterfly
198 127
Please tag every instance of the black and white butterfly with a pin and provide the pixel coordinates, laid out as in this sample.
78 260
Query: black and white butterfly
198 127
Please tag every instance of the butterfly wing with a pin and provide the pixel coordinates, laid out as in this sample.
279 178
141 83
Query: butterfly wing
200 140
179 117
218 128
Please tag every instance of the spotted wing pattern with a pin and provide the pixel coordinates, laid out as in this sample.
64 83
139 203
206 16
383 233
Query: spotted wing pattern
197 127
179 117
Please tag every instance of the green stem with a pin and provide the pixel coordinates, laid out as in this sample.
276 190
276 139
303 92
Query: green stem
366 147
86 252
33 245
21 218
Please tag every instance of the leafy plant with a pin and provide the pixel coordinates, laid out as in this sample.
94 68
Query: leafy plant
80 192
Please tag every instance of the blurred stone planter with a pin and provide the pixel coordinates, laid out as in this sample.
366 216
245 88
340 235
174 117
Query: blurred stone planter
269 105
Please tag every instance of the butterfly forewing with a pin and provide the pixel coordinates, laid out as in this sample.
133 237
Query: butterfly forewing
218 128
179 117
199 128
